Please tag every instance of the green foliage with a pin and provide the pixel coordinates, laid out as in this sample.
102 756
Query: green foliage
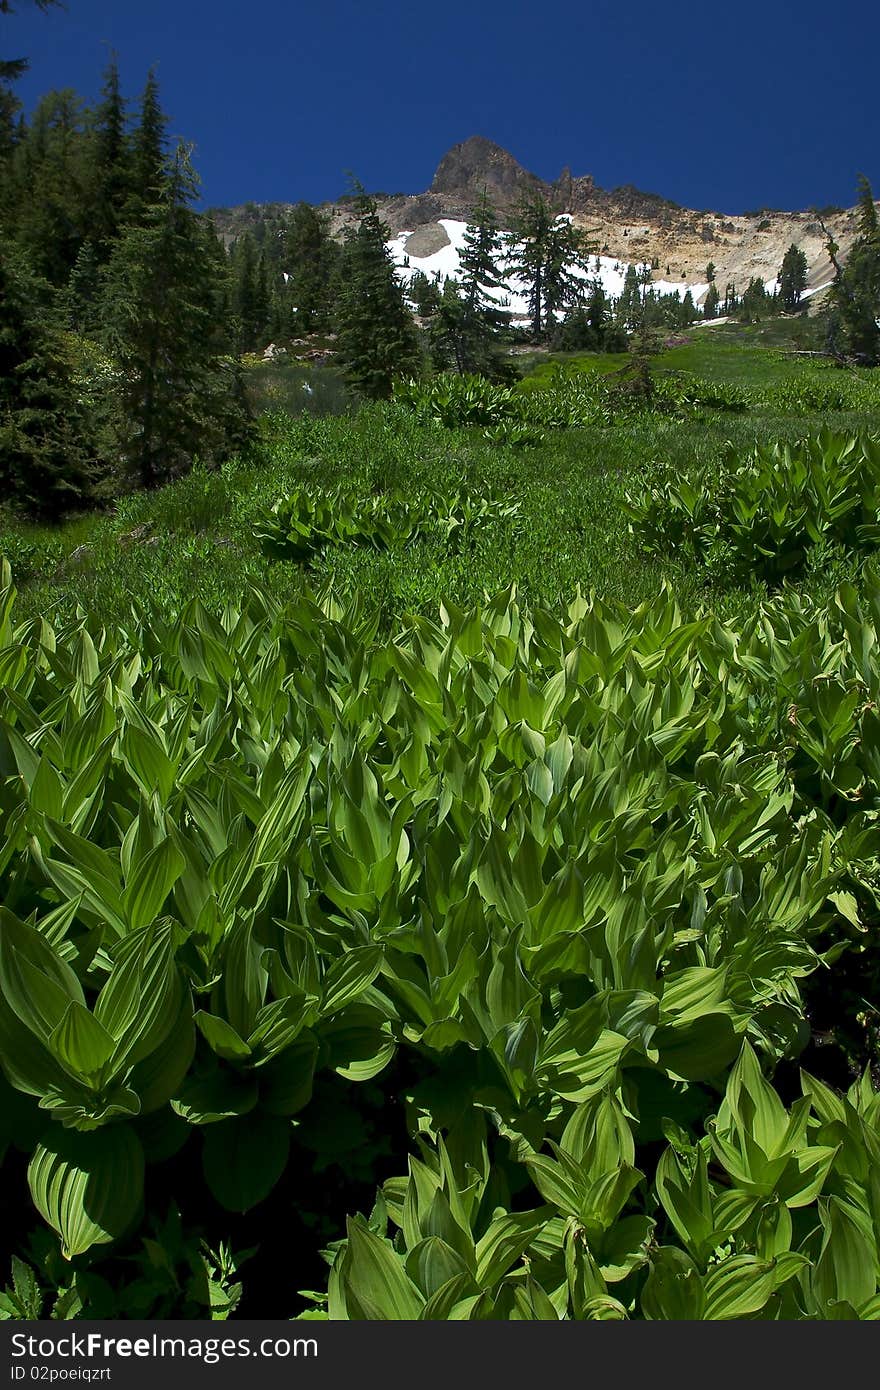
761 517
180 390
377 337
458 399
303 524
744 1242
45 433
547 252
173 1273
463 400
856 290
580 868
792 278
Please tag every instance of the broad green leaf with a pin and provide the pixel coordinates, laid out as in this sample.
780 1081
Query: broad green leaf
81 1045
152 881
697 1050
244 1158
504 1242
87 1186
35 984
221 1037
738 1287
349 976
377 1279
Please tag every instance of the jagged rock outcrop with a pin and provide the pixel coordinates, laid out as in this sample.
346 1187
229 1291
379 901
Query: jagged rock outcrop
478 164
623 222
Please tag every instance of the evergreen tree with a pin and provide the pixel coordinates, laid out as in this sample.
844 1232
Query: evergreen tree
43 450
377 336
148 157
481 251
425 294
598 310
548 251
464 337
792 278
308 257
469 320
50 186
628 311
248 312
856 292
111 164
81 298
162 291
755 303
711 302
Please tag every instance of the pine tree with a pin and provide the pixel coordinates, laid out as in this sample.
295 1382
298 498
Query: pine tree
548 251
598 312
628 312
162 292
308 256
792 279
468 323
856 291
479 270
377 336
711 302
111 164
82 294
43 434
51 186
148 156
245 296
755 302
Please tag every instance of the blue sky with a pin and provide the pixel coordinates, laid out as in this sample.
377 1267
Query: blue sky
756 104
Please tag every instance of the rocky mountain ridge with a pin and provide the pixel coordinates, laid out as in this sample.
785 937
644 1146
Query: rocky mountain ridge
624 222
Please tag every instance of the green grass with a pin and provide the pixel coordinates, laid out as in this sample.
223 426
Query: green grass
195 537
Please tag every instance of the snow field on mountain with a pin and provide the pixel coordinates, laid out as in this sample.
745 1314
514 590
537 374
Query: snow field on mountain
445 265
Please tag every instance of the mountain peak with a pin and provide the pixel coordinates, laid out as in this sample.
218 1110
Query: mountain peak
477 164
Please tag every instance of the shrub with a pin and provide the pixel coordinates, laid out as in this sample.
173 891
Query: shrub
762 517
304 523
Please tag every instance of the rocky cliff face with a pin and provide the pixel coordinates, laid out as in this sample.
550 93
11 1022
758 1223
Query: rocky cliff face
623 222
477 165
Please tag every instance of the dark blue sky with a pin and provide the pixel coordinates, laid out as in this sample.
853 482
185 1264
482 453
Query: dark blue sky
761 103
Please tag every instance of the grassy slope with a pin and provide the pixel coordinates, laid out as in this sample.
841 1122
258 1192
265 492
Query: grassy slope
570 530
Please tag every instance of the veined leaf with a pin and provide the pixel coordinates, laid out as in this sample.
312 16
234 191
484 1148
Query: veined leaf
87 1186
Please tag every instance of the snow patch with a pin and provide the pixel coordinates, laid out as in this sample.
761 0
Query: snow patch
445 264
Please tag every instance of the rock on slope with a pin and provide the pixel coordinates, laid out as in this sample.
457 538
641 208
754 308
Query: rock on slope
624 223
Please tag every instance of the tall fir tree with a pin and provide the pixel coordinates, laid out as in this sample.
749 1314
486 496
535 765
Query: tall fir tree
376 333
711 302
111 164
467 329
44 464
51 178
628 310
792 279
482 250
856 291
547 252
308 258
249 320
162 290
148 151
